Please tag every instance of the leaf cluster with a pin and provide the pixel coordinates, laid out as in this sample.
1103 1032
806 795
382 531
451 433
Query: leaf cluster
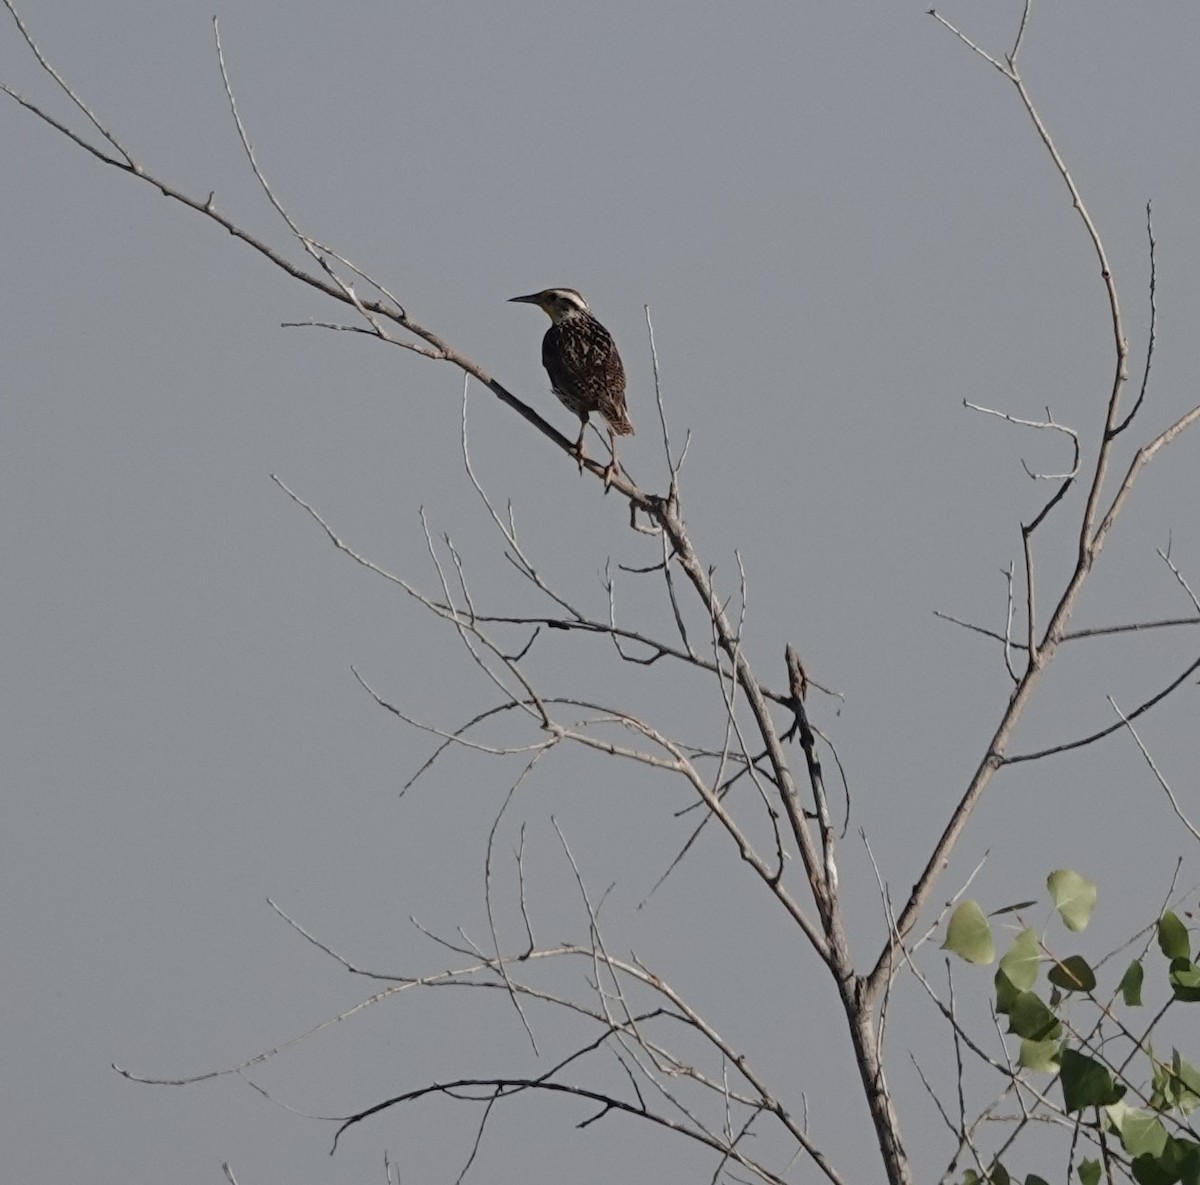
1133 1107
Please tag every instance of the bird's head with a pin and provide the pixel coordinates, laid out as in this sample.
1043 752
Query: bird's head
556 303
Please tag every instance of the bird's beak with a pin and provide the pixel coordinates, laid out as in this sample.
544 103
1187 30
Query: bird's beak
532 298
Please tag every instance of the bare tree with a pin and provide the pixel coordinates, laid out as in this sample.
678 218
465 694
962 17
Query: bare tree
641 1047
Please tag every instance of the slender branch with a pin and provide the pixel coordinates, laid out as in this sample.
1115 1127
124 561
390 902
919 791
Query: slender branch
1152 334
500 1088
1091 738
1100 631
1162 781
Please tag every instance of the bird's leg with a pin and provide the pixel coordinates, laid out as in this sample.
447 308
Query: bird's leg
610 470
580 455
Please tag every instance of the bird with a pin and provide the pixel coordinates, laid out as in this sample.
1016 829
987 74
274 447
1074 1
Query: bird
585 370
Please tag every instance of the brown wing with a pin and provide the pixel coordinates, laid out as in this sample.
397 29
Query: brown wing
612 406
585 370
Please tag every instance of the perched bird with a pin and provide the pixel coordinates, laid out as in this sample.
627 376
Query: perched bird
585 369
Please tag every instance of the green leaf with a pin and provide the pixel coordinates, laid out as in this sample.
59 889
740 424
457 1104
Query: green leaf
1141 1131
1020 962
1030 1018
1185 1072
1040 1055
1034 1179
1173 937
1185 981
1006 992
1016 907
1086 1083
1089 1172
1149 1170
1131 984
969 936
1186 1160
1073 974
1188 1084
1163 1084
1074 897
1176 1086
998 1174
1179 1161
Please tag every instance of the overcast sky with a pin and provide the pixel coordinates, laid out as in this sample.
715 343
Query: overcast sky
844 226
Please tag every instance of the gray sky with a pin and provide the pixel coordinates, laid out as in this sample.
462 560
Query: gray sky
844 225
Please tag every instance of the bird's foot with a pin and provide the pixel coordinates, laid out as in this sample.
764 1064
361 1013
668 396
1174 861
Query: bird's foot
610 472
